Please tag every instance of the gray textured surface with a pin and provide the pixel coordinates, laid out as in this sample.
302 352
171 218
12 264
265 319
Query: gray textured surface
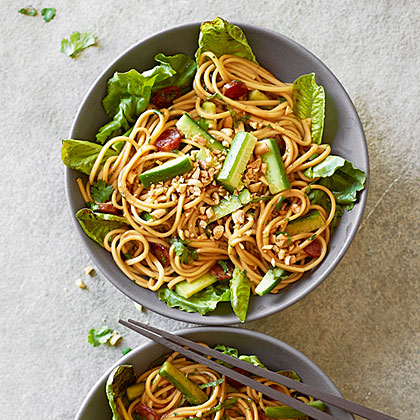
361 325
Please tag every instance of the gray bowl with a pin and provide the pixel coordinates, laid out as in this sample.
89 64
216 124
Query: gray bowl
273 353
287 60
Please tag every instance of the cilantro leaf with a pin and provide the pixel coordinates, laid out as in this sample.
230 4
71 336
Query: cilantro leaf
99 336
223 265
28 11
48 13
77 42
213 383
185 253
101 192
126 350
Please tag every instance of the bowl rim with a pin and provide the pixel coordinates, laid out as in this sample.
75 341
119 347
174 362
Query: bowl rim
243 332
210 319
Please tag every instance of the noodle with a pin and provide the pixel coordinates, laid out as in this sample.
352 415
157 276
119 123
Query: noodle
252 237
225 397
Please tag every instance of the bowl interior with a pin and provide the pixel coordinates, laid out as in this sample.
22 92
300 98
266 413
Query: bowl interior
285 59
273 353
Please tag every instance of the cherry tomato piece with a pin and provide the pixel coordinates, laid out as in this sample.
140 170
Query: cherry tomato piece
161 253
219 271
164 98
314 249
235 89
105 208
146 412
234 383
169 140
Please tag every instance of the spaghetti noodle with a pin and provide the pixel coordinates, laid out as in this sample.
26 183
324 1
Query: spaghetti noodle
254 237
160 399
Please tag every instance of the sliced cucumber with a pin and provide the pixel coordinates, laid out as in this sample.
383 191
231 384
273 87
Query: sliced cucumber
186 290
271 279
190 128
210 108
276 173
285 412
257 95
134 391
236 160
191 390
231 204
308 223
168 170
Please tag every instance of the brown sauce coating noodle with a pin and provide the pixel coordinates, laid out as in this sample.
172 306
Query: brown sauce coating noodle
182 206
166 400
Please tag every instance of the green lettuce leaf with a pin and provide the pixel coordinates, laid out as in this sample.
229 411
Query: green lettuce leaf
240 292
129 94
341 177
118 381
98 225
221 37
202 302
77 43
309 102
48 13
231 351
180 69
81 155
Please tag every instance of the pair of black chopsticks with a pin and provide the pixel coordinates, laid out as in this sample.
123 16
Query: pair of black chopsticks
177 343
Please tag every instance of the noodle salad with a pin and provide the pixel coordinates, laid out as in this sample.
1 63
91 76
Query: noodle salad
178 388
211 183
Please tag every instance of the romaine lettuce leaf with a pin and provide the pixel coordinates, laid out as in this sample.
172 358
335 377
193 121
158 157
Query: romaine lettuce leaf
81 155
129 93
118 381
202 302
309 102
231 351
221 37
240 291
341 177
98 225
180 69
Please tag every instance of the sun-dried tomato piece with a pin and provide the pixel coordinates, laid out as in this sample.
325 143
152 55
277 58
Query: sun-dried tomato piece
235 89
146 412
161 253
222 273
105 208
164 98
314 249
234 383
169 140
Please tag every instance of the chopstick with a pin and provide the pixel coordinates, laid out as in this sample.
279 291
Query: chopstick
177 343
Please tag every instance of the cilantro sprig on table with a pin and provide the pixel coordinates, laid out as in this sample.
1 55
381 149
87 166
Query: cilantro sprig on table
100 335
77 43
48 13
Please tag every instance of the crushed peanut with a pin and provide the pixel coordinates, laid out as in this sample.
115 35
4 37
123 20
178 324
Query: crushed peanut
158 213
238 217
89 271
218 231
81 284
